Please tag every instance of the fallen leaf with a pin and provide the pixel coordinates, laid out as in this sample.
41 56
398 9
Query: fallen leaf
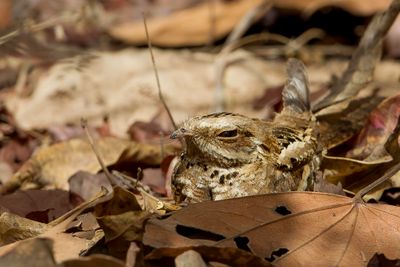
122 220
345 120
357 7
14 228
86 185
21 255
122 201
155 179
55 231
127 225
121 216
55 164
53 204
94 261
153 131
355 174
381 123
281 228
188 27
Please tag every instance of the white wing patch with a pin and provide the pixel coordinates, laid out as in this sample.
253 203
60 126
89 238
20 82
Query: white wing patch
296 150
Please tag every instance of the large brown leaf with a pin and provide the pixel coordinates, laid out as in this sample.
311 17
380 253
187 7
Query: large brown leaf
289 229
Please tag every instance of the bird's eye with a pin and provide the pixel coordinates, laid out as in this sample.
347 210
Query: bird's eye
227 134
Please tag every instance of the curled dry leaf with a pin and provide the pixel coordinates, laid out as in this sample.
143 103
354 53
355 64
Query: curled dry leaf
14 228
121 216
282 228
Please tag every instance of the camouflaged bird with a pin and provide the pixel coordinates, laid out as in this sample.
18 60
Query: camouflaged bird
229 155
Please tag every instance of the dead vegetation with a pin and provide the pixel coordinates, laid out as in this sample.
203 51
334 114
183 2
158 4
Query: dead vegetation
64 62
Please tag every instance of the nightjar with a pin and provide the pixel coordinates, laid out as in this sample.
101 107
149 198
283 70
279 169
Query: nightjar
229 155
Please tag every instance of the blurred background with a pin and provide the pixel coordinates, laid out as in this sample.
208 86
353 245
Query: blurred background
70 59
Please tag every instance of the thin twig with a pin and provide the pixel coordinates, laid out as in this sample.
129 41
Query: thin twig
230 44
392 171
35 27
360 69
96 152
156 73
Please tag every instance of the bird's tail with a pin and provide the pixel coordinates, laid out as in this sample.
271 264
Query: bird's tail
295 95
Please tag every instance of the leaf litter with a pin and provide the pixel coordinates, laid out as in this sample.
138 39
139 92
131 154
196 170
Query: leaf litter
133 221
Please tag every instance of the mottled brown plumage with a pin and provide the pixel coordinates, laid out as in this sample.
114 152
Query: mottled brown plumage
229 155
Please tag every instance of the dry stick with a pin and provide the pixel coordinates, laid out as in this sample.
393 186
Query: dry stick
289 44
221 62
96 152
36 27
392 171
156 73
360 69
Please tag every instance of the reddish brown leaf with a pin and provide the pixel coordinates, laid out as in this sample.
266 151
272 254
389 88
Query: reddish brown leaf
381 123
39 205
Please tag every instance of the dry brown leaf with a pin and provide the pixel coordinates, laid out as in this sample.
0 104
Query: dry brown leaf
22 254
39 205
54 165
121 216
346 120
94 261
381 123
127 225
14 228
187 27
288 229
86 185
357 7
355 174
56 233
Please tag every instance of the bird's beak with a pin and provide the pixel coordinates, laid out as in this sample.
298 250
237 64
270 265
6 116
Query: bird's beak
181 132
